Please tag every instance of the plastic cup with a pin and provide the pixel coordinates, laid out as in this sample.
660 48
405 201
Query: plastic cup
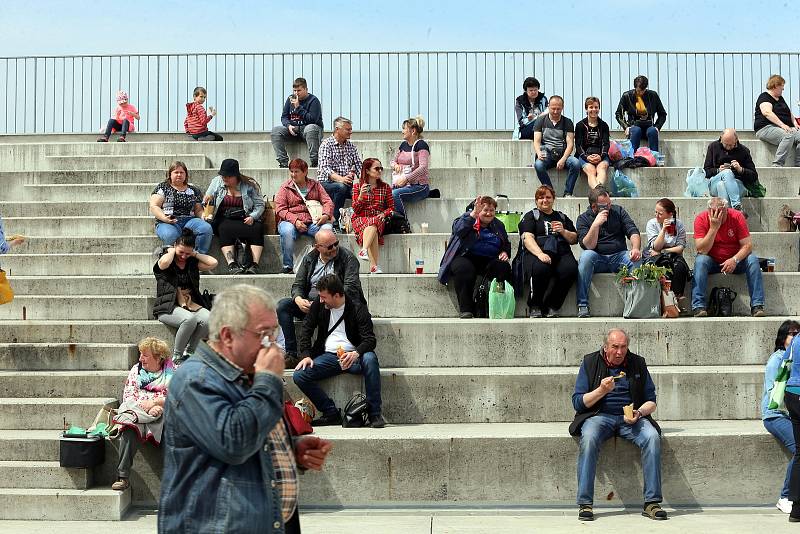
420 266
423 228
770 265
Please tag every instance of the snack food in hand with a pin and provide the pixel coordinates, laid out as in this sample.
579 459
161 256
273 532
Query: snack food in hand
340 352
628 410
620 375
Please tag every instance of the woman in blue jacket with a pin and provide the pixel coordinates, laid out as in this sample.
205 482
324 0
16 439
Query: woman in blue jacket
478 245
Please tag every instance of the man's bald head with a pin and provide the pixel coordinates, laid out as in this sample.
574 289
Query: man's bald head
728 138
327 244
324 236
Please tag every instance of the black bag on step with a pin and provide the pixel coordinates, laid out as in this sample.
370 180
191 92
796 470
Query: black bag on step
480 297
720 303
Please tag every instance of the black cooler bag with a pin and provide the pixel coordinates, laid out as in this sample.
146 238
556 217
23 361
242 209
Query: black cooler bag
80 452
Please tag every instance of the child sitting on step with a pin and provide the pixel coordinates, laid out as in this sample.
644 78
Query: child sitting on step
122 121
196 123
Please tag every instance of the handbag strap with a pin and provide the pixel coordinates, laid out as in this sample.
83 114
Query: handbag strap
337 323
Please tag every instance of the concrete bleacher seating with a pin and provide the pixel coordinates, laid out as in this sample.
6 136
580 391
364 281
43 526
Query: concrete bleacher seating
478 409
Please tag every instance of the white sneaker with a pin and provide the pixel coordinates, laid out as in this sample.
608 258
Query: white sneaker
362 255
784 505
376 270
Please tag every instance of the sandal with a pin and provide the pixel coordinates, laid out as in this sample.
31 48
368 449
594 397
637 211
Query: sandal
121 484
585 513
654 511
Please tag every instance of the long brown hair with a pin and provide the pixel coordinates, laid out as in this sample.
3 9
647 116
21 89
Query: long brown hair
367 165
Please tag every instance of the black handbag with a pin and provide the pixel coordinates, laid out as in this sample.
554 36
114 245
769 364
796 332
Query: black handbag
396 224
81 452
207 299
720 303
356 413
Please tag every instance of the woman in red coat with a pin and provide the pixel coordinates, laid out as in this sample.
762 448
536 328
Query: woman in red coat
372 205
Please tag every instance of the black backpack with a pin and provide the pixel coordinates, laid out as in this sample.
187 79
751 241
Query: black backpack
356 413
480 297
720 303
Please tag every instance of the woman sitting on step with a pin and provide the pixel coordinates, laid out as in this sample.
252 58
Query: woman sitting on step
239 208
373 204
140 415
178 300
176 204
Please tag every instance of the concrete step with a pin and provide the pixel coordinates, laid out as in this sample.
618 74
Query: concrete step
58 384
472 394
543 394
438 213
420 343
54 356
452 182
29 445
76 207
127 254
63 504
387 296
147 160
42 475
50 413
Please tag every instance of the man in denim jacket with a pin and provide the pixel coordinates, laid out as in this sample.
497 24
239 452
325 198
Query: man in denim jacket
229 462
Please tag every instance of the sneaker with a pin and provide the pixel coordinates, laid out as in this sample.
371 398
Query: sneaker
375 269
700 312
121 139
377 421
465 315
251 269
568 195
585 513
777 165
102 139
583 312
535 313
287 270
235 268
334 418
784 505
758 311
121 484
362 255
553 313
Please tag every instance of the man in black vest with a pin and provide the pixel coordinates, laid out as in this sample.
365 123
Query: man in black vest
609 380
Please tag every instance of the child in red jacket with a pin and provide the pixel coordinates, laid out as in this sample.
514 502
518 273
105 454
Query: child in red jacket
196 123
122 121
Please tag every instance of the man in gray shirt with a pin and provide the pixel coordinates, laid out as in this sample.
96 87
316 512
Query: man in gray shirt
553 143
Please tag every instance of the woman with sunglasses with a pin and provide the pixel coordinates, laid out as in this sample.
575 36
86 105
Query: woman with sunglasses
372 205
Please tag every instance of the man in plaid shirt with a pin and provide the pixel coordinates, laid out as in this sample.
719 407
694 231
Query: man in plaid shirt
339 164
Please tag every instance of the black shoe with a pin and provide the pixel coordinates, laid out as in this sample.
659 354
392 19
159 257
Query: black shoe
700 312
465 315
235 268
282 165
585 513
377 421
758 311
251 269
314 163
287 270
334 418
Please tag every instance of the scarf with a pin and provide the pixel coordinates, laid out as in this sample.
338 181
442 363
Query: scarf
624 363
158 380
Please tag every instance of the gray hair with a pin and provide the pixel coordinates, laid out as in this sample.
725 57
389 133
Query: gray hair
232 308
717 202
340 121
619 330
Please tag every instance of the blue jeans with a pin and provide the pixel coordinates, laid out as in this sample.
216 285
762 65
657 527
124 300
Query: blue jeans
168 232
591 262
326 365
409 193
598 429
635 135
781 428
339 193
705 265
289 234
573 169
725 185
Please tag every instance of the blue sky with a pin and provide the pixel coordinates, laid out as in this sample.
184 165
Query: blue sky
165 26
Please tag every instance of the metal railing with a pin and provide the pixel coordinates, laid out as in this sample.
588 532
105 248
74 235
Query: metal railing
452 90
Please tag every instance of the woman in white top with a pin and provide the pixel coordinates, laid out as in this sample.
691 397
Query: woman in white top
666 240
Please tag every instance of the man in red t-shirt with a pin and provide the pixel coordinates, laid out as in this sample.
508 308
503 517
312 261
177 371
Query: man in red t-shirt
723 245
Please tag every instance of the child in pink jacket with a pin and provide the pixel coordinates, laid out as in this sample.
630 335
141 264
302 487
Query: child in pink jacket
122 121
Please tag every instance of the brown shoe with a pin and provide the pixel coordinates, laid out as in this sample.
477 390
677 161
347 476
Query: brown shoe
121 484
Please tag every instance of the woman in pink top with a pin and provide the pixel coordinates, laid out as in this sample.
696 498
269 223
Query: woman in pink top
410 166
122 121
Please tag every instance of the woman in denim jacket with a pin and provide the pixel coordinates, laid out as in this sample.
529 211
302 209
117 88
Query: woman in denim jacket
239 208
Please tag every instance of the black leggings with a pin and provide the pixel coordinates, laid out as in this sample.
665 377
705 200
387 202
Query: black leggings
229 230
206 136
793 407
563 271
464 271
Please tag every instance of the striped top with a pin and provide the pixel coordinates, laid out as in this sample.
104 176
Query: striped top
196 119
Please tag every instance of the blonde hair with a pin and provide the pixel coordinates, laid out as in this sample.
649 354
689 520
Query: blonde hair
774 81
156 346
417 123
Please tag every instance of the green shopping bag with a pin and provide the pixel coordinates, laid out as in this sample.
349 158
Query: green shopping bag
510 219
501 301
779 387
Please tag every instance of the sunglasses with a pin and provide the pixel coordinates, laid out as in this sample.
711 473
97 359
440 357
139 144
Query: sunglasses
332 246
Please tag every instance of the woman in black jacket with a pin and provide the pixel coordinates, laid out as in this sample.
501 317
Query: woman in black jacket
178 300
592 141
479 244
640 111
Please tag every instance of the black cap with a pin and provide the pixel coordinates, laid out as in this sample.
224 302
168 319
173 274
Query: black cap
229 167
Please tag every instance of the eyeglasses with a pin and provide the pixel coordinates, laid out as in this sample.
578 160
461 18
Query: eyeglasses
332 246
380 169
267 333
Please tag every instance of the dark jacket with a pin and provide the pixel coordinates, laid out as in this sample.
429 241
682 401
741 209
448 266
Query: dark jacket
308 112
167 286
626 110
463 237
717 155
522 107
581 132
357 326
345 266
594 368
